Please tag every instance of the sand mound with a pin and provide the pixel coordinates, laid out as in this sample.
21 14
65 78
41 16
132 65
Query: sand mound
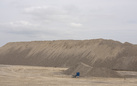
80 67
103 72
65 53
88 71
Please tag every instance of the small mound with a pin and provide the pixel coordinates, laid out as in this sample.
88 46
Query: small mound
88 71
103 72
80 67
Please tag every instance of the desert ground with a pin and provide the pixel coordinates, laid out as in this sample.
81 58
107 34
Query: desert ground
53 76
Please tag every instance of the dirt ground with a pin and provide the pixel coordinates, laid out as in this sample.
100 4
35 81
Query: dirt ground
50 76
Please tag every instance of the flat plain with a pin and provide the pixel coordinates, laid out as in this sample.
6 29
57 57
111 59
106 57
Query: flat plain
53 76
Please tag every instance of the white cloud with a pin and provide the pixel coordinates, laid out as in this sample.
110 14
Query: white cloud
75 24
31 9
20 23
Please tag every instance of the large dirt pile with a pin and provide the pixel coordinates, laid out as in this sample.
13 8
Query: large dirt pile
65 53
88 71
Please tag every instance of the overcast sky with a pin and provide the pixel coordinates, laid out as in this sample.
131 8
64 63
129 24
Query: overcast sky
31 20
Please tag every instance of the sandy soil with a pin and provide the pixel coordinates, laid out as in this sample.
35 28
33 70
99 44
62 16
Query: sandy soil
49 76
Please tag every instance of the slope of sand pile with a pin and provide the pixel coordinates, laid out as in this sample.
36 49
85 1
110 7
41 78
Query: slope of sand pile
88 71
65 53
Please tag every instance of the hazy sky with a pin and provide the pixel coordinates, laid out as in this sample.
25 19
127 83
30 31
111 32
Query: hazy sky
31 20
